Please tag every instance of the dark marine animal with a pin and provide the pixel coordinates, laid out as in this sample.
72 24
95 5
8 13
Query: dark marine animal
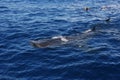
61 40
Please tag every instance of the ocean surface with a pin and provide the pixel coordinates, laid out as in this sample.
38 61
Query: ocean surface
95 57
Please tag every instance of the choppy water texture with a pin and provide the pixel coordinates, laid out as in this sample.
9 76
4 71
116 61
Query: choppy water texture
95 57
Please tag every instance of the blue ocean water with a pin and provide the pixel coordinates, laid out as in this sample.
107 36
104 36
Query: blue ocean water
25 20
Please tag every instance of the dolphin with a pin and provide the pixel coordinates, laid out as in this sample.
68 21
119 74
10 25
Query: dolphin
61 40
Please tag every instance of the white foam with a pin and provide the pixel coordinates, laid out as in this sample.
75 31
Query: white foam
61 37
87 31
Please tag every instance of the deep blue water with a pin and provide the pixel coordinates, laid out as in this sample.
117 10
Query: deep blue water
25 20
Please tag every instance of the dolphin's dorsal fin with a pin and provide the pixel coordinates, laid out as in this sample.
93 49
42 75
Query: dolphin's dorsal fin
93 28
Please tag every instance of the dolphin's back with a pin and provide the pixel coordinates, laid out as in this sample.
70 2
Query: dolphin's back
46 42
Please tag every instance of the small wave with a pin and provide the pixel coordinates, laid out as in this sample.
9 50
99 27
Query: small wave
115 42
37 14
19 35
60 21
97 49
3 7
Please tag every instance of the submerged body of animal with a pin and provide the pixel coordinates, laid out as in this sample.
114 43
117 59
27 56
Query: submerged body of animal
61 40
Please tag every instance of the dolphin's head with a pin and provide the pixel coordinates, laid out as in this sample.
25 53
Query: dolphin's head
39 44
46 42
